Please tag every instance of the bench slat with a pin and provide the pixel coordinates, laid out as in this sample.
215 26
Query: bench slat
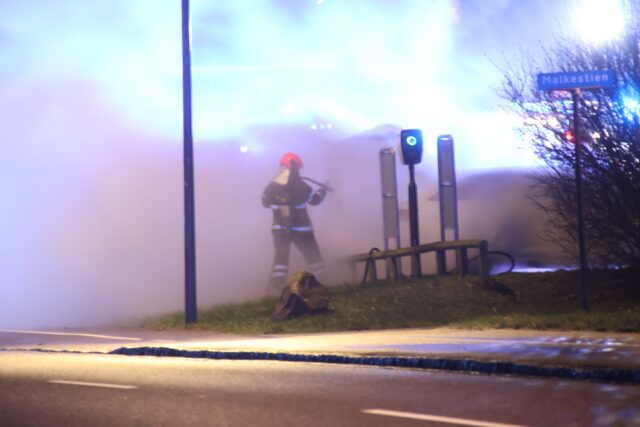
420 249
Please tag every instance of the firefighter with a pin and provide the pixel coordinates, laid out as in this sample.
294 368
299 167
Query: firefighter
287 196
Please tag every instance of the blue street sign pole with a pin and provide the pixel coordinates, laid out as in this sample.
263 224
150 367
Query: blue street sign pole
575 94
190 311
575 81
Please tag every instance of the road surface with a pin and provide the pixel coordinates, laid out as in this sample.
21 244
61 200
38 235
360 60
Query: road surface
70 389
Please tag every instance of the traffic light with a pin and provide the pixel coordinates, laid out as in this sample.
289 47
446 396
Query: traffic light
411 146
568 136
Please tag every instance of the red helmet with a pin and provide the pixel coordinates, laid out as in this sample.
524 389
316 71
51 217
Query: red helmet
290 158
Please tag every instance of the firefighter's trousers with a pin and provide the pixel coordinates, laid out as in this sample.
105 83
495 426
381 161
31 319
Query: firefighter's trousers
305 241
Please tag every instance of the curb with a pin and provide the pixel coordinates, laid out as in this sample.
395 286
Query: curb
629 376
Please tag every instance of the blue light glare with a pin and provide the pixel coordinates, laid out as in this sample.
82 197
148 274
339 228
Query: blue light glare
630 100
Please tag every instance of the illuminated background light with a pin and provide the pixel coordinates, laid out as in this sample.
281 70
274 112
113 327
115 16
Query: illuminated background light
630 99
568 136
599 21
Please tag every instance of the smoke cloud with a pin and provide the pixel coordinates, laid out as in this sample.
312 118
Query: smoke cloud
91 202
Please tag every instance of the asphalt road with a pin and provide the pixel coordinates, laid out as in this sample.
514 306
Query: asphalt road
67 389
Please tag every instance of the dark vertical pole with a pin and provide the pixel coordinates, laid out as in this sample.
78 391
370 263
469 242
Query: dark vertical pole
441 256
413 221
190 312
440 190
636 69
578 149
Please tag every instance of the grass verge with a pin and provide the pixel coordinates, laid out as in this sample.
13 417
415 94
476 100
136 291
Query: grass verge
520 300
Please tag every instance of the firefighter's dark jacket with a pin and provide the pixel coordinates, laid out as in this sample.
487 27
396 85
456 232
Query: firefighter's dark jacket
289 203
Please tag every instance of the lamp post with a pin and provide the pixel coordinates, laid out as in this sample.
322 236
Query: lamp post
190 312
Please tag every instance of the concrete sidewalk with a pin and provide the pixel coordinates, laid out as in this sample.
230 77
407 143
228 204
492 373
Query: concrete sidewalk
508 348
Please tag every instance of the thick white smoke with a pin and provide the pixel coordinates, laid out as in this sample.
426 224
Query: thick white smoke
91 119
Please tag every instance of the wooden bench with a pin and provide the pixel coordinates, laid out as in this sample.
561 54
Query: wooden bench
392 258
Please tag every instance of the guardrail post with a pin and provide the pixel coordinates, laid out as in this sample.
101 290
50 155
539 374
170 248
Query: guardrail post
416 269
373 273
462 261
441 262
392 268
484 262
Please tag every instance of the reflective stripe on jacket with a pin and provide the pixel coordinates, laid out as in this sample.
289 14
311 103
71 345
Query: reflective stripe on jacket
289 204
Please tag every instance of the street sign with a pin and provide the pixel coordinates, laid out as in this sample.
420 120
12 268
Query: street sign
575 80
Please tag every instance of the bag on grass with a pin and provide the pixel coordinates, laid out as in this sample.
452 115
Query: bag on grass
302 295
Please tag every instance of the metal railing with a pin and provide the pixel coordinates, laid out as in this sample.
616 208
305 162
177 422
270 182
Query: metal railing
460 247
